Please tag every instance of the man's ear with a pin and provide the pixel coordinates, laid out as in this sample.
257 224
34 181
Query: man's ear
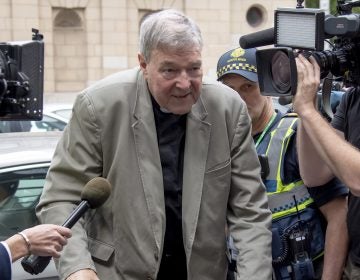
142 62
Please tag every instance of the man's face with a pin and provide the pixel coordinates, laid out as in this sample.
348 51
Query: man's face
174 78
249 92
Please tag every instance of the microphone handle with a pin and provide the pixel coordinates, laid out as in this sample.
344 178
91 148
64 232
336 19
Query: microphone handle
76 214
36 264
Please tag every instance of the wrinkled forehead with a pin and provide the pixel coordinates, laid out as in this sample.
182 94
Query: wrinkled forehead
175 54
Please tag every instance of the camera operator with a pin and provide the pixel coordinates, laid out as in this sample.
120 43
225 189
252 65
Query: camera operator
326 151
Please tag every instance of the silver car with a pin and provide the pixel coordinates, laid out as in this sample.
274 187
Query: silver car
25 159
55 118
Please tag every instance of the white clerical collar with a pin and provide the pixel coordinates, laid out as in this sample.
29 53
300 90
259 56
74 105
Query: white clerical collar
164 110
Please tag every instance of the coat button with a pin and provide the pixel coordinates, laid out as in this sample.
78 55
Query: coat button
156 256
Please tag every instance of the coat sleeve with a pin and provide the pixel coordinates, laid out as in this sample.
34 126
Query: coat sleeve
249 218
77 159
5 263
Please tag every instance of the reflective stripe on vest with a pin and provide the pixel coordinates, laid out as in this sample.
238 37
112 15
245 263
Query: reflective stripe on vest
281 196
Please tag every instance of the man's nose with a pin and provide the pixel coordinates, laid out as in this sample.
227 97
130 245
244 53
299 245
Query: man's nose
183 80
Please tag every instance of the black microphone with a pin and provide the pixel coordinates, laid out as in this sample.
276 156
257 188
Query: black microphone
258 39
94 194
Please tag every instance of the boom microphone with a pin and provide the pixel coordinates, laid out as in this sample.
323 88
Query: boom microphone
94 194
258 39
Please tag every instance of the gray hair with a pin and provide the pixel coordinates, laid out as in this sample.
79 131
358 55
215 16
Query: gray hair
168 29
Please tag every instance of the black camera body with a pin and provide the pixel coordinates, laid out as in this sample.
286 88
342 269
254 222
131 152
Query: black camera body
302 30
22 78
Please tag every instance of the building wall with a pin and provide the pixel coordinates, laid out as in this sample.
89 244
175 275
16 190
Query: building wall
86 40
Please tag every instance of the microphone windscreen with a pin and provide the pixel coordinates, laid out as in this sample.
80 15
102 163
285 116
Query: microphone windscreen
258 39
96 192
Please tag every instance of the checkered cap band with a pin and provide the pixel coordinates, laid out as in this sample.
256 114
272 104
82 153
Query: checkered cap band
236 66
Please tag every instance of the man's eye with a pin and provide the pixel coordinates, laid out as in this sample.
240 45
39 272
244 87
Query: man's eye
169 73
246 87
195 71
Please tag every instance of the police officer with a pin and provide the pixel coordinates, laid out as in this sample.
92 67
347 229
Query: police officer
299 238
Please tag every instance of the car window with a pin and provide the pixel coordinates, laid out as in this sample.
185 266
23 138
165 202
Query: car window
20 190
65 113
46 124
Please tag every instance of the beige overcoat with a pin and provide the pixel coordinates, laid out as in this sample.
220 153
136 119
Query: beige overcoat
112 134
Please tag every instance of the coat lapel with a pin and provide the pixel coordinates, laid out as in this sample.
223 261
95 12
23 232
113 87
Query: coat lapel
149 160
196 149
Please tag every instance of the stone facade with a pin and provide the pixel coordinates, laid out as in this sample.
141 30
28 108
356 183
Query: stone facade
86 40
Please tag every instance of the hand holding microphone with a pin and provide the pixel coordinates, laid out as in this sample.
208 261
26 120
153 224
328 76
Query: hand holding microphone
94 194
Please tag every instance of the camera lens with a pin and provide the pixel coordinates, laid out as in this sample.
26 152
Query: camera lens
280 72
336 61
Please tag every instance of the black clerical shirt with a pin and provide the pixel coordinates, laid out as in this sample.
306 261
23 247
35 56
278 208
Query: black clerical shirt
170 130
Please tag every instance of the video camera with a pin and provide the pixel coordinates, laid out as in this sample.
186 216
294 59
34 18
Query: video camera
21 79
305 30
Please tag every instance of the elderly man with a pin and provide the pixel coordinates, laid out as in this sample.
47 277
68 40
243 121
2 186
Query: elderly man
179 155
332 150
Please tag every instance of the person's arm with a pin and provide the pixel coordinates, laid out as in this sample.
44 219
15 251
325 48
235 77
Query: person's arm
336 239
323 152
83 274
17 247
41 240
76 160
313 169
249 217
6 247
5 260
